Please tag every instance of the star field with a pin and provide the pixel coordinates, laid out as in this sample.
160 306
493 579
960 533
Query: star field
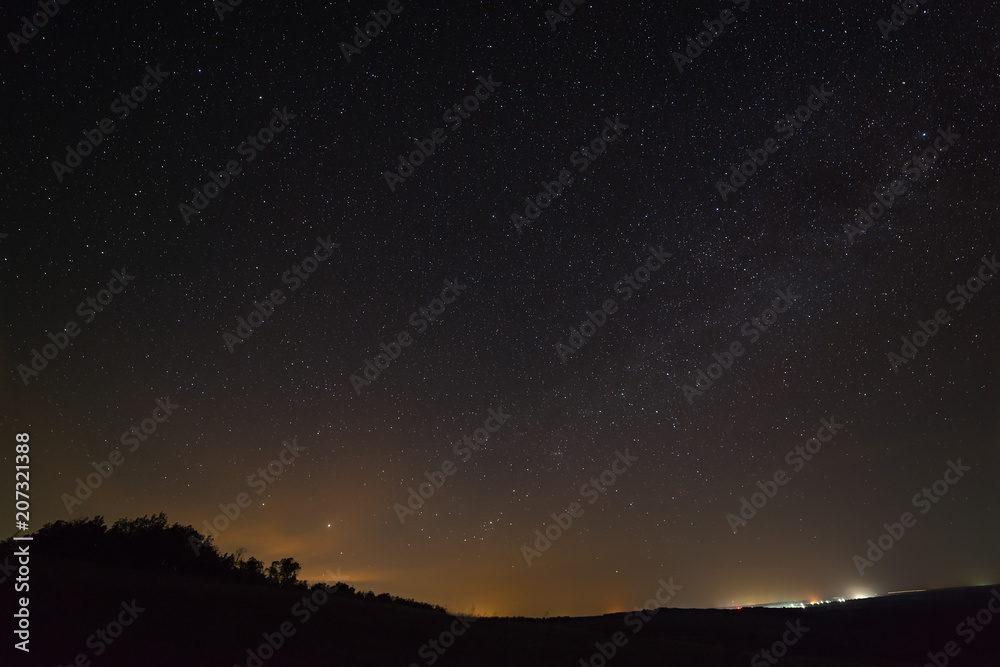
495 345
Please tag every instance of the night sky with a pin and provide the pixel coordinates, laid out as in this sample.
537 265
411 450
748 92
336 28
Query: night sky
491 300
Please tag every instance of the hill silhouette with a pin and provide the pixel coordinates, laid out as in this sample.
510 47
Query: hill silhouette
144 592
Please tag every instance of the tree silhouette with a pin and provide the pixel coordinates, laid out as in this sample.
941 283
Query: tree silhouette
283 572
151 543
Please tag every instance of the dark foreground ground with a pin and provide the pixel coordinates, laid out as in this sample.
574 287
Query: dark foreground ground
191 621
